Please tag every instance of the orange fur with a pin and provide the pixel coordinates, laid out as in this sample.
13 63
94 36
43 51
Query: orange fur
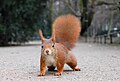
67 29
55 51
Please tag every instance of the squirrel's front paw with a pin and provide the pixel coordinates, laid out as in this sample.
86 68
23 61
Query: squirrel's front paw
41 74
58 74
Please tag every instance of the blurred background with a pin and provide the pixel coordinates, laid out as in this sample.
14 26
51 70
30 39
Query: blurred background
20 20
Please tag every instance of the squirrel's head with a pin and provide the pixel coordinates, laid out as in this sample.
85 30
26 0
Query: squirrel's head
48 45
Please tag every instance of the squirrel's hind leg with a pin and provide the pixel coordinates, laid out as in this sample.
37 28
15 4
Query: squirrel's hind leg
72 61
73 67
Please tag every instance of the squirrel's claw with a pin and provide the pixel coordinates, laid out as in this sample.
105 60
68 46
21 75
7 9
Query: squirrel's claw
76 69
41 74
58 74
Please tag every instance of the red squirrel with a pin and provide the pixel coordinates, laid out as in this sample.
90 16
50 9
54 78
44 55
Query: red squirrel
56 51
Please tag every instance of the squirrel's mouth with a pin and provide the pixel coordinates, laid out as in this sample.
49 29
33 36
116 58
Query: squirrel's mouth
47 54
47 51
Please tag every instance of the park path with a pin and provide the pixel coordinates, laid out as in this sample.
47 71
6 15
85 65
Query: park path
98 62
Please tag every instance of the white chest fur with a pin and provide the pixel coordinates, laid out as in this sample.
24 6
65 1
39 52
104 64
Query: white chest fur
50 61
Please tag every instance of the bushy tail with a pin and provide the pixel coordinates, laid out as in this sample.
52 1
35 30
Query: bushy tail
66 29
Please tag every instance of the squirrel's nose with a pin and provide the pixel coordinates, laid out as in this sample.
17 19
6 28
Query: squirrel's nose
47 51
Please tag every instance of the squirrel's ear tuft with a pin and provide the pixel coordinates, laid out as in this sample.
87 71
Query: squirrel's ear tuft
53 38
41 35
53 35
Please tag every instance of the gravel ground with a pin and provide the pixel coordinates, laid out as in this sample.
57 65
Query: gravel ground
98 62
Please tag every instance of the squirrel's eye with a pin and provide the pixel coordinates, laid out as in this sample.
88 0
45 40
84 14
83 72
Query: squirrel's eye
41 46
53 45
